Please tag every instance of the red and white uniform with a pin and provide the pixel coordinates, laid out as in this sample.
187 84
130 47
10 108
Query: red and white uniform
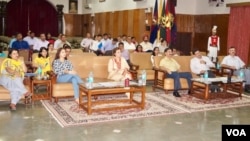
213 46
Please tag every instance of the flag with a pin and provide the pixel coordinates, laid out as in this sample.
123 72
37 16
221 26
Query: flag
171 29
174 26
154 27
162 22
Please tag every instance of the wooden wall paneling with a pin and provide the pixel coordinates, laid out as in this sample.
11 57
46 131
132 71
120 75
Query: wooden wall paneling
200 41
185 23
125 22
130 23
115 24
97 23
69 20
120 23
111 24
203 23
107 22
203 27
86 21
183 42
136 24
142 27
202 30
84 24
103 23
77 25
185 28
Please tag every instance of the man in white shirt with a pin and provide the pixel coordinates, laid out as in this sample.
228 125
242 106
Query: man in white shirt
199 64
97 45
129 45
234 62
42 42
63 41
146 45
31 39
58 41
107 47
86 42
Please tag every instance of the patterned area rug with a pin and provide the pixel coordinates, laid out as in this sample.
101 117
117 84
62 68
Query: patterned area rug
67 113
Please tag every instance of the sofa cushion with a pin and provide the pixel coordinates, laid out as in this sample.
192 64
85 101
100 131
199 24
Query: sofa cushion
62 90
100 66
141 59
82 64
168 83
150 74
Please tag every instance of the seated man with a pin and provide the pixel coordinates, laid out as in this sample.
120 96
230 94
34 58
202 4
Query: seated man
172 67
200 64
234 62
124 52
20 43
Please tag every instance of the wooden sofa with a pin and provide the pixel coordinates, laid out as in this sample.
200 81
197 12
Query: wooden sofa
4 93
142 61
83 66
167 84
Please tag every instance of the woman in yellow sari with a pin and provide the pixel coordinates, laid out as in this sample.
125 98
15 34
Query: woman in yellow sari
42 61
12 74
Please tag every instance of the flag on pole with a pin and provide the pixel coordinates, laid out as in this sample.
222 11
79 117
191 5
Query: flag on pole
171 29
162 22
154 26
159 19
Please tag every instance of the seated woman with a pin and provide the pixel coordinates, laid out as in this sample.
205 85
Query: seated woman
138 49
65 72
12 75
118 67
50 48
156 52
42 61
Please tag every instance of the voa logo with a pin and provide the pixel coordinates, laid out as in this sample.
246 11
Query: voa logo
236 132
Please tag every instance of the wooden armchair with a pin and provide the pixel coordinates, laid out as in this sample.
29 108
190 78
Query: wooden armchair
142 61
167 84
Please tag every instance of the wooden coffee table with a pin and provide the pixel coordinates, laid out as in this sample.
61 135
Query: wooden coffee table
201 88
104 88
44 95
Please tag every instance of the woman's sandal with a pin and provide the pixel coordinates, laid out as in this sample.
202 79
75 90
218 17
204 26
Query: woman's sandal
12 107
77 101
28 95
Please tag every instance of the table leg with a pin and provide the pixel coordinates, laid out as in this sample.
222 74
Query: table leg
80 97
89 103
143 97
207 91
192 87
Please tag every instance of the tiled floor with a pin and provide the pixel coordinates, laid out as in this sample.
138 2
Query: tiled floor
34 123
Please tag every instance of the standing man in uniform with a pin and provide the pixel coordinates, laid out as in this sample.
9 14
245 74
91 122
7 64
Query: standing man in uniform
213 45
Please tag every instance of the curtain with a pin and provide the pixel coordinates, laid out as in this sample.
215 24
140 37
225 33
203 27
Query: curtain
39 16
239 31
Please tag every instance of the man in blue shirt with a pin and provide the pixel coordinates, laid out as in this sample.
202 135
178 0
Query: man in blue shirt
20 43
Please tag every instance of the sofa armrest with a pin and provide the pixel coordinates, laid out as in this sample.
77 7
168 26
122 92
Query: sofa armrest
134 74
160 70
226 71
134 67
52 76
